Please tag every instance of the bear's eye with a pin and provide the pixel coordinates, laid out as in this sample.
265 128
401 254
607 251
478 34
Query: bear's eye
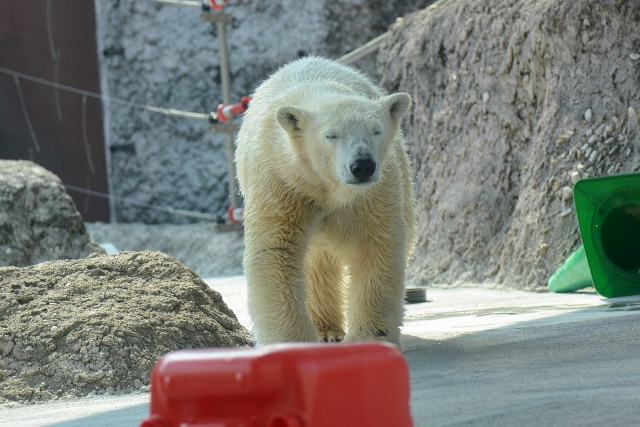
332 136
377 132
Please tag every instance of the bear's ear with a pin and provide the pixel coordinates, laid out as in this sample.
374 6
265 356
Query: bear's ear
291 119
397 105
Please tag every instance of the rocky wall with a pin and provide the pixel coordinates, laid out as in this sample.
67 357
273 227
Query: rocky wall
514 101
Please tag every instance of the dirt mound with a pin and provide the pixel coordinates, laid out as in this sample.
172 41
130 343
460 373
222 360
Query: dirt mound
98 325
513 102
38 220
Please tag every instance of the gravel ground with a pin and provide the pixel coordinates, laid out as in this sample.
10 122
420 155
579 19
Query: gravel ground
201 246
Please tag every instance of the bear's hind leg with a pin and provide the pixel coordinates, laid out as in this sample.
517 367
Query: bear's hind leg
326 278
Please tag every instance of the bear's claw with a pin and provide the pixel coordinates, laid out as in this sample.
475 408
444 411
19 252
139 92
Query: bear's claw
331 336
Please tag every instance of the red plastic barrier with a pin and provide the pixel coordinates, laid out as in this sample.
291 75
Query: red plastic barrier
285 385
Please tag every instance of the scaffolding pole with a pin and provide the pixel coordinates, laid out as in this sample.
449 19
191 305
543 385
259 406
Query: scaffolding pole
222 19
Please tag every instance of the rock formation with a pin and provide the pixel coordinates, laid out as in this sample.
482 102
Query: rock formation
38 220
513 102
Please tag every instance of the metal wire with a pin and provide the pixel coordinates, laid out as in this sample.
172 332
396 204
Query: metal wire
181 2
26 114
166 209
165 111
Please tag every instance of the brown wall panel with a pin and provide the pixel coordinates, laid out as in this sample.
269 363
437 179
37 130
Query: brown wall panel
54 40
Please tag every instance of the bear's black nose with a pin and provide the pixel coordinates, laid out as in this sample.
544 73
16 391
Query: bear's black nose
363 168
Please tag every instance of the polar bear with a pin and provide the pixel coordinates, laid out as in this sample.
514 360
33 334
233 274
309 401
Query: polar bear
330 212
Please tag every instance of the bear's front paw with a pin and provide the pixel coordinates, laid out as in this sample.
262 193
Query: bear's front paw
331 336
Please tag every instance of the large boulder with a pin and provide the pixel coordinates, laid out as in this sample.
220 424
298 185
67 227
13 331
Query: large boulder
38 220
514 101
98 325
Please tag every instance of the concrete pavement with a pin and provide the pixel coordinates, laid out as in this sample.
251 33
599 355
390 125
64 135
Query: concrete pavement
476 356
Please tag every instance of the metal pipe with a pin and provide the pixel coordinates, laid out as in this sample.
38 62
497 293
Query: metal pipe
363 50
226 99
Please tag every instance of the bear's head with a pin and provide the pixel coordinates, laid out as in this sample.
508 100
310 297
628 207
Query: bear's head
344 139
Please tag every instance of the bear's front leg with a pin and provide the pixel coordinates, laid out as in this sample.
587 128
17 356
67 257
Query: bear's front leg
326 279
376 293
273 264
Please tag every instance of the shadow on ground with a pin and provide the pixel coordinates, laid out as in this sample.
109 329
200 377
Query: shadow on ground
552 371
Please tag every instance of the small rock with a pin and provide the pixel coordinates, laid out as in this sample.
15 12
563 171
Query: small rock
580 167
566 193
579 154
588 114
588 152
6 349
633 115
565 212
486 96
575 177
543 248
593 156
634 56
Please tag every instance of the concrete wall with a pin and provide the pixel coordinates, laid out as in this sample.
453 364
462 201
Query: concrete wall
163 55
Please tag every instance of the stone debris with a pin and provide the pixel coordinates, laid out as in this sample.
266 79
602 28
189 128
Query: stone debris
98 325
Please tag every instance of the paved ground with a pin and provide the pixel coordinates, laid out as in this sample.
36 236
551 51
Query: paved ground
477 357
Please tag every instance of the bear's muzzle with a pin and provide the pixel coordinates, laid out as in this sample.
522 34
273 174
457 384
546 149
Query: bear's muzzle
362 169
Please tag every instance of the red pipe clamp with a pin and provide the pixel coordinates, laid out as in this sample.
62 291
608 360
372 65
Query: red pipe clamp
235 215
226 112
218 4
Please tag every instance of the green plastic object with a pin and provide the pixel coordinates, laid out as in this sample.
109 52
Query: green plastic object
573 275
608 211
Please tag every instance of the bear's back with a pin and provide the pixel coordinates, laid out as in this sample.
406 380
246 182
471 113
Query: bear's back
315 70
